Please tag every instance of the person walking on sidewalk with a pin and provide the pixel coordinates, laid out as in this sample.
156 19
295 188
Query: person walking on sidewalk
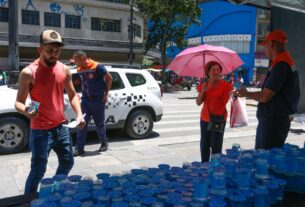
279 96
214 93
45 80
96 83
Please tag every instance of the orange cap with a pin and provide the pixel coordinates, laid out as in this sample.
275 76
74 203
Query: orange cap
276 35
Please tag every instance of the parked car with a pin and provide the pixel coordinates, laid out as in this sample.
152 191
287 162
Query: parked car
134 104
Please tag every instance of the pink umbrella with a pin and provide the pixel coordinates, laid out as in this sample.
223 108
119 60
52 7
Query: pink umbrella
191 61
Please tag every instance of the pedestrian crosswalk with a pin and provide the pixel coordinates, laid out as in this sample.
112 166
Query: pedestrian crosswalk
180 121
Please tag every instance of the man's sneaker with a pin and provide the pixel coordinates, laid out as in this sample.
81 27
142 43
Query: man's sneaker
104 146
78 152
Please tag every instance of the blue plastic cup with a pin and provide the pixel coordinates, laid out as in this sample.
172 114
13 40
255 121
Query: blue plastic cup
46 187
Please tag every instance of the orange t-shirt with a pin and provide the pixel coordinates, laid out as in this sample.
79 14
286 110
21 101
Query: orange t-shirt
215 100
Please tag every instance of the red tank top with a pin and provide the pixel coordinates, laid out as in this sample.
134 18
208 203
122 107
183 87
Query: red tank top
48 90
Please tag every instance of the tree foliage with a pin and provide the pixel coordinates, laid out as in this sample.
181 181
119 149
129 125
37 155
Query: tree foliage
169 22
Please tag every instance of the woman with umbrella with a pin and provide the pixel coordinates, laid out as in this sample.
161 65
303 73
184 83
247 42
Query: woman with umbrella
214 94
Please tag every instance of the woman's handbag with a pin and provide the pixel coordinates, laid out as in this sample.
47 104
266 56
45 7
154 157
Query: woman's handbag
216 124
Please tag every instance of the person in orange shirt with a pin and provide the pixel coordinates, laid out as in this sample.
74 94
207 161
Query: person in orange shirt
279 96
214 94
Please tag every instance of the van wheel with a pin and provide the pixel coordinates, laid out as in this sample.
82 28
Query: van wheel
14 134
139 124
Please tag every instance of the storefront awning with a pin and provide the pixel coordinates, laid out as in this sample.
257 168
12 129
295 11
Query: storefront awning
296 5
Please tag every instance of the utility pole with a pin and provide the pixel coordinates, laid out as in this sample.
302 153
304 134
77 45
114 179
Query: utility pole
13 40
130 57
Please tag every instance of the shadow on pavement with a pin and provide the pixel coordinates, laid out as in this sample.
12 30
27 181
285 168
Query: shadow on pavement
187 98
90 153
297 131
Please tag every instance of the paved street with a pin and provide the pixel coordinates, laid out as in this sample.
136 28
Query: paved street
175 140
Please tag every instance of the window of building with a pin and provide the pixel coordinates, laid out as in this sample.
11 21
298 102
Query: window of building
96 24
135 79
30 17
106 25
136 30
3 14
52 19
262 29
117 82
72 21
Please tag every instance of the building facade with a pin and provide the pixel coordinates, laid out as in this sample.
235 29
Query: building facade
99 27
229 25
262 62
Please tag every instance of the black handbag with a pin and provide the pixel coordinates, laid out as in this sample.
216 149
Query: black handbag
216 123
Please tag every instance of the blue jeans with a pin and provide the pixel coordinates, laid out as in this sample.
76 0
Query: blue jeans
209 140
41 142
271 132
93 107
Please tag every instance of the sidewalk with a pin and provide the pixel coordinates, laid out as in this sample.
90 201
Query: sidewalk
121 158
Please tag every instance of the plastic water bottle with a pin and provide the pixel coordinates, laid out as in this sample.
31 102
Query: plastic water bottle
65 200
157 204
300 169
148 201
217 201
273 189
291 163
261 166
237 200
120 204
37 202
261 197
73 203
135 204
230 166
249 197
243 176
280 163
218 183
201 190
280 190
104 200
82 196
86 204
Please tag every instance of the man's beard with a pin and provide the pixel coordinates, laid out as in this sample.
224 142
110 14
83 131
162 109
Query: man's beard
49 63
